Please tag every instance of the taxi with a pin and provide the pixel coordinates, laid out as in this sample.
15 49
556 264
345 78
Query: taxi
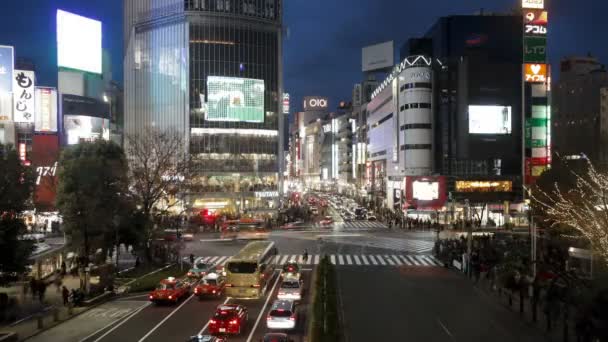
228 319
327 221
170 290
200 269
212 285
291 270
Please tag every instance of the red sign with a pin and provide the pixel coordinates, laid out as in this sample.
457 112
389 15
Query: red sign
45 155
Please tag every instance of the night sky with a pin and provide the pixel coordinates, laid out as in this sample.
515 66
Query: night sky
322 51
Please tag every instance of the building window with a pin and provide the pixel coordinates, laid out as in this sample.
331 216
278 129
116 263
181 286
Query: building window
423 85
416 147
416 106
383 120
378 154
415 126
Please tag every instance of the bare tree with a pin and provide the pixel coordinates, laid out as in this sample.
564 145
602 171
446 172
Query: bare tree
583 207
159 171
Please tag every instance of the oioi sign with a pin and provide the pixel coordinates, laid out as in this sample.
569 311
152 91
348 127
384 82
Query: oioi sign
315 103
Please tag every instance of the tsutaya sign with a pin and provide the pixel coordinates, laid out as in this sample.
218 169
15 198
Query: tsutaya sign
408 62
266 194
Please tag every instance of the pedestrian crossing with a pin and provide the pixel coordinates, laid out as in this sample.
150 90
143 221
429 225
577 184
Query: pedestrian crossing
352 226
397 244
393 260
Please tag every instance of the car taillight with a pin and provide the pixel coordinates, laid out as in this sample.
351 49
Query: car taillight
228 285
213 291
151 297
196 290
292 318
268 318
281 293
255 285
170 297
232 322
212 321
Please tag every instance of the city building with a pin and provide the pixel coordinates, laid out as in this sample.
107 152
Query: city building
580 110
219 84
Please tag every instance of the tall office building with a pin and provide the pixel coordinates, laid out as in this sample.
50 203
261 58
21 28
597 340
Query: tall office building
211 69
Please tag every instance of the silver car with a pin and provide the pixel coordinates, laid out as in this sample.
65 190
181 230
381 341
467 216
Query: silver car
291 289
282 315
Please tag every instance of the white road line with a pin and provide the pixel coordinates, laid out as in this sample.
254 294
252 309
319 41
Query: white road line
165 319
224 262
389 260
309 261
257 321
397 260
423 260
445 329
316 259
340 259
437 261
136 296
212 260
432 261
416 262
333 259
117 325
284 260
357 261
380 260
206 259
348 260
371 257
207 324
276 259
406 260
219 261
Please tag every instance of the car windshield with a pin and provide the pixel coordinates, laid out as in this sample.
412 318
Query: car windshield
280 313
166 286
242 267
211 282
201 266
224 315
290 285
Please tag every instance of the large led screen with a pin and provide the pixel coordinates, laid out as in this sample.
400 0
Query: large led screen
489 120
80 128
235 99
78 42
425 191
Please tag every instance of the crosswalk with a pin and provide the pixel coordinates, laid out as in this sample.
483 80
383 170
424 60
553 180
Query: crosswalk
353 226
396 244
345 260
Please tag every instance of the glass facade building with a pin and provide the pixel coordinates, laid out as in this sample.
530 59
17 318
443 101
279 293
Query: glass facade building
174 49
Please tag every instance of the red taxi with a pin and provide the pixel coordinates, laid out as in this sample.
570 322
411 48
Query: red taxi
327 221
228 319
212 285
170 290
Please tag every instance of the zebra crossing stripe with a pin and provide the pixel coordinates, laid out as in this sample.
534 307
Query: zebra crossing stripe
223 262
421 259
276 260
390 262
357 261
416 262
364 260
380 260
436 261
340 259
316 259
405 260
301 259
371 257
284 260
309 261
348 260
397 260
333 259
213 259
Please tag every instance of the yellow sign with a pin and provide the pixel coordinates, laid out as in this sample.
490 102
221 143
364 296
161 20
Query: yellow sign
535 73
532 3
484 186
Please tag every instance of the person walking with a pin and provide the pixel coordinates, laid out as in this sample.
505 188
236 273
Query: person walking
65 293
57 281
41 290
191 259
305 255
34 287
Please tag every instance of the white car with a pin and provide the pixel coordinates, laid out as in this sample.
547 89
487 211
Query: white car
282 315
291 289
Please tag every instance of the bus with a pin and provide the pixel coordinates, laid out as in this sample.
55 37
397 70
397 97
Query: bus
249 271
245 229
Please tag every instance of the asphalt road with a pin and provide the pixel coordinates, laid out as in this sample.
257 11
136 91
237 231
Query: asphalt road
423 304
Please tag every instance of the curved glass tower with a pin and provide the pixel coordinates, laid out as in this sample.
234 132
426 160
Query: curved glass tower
212 70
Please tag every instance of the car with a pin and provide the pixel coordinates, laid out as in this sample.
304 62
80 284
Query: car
206 338
276 337
282 315
371 218
291 270
200 269
188 237
291 289
327 221
314 210
228 319
211 285
170 290
293 225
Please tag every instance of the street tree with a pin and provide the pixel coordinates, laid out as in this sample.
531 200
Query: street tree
581 205
91 195
159 173
16 187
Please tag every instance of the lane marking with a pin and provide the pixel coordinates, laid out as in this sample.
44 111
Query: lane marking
406 260
397 260
309 261
214 240
276 259
371 257
380 259
165 319
131 297
316 259
284 260
213 259
389 260
339 235
207 324
340 259
224 262
257 321
357 261
445 329
206 259
423 260
333 259
413 260
117 325
348 260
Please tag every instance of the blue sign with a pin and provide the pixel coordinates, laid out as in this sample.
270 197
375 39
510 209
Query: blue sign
6 69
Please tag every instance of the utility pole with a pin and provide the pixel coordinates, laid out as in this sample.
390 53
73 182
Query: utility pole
469 226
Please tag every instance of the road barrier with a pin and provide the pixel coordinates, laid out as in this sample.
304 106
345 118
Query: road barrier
324 322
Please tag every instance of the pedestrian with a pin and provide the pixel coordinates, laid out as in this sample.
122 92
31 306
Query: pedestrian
65 293
57 281
305 256
41 290
34 287
191 259
137 261
63 269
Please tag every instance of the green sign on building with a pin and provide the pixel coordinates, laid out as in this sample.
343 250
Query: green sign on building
535 49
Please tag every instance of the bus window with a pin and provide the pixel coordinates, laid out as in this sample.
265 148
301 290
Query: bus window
242 267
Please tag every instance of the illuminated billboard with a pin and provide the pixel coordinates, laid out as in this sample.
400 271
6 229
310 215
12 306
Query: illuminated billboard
425 191
44 157
235 99
6 68
535 73
314 103
484 186
533 4
80 128
489 119
78 42
23 101
46 110
379 56
535 49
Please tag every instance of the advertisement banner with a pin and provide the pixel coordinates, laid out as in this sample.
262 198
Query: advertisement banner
426 192
44 157
535 73
377 56
313 103
285 103
46 110
535 49
533 4
7 62
23 96
6 107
